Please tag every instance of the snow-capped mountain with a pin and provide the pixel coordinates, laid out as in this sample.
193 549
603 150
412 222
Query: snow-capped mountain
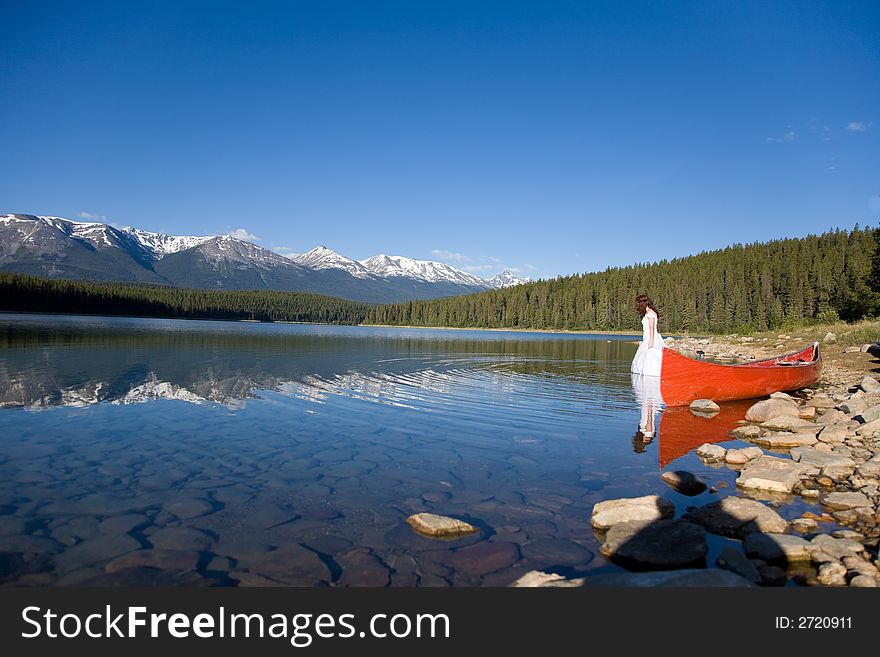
423 270
323 258
60 248
160 244
506 279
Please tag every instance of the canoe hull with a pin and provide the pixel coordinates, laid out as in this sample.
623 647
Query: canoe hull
683 379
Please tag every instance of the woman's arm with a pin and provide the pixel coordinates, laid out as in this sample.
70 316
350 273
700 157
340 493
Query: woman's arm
651 320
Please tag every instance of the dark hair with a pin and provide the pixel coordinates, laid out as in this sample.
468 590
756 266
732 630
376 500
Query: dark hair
643 302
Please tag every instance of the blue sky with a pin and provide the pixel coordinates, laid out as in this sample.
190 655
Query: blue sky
552 137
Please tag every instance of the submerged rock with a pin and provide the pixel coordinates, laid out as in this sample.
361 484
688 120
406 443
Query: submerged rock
483 558
737 517
684 482
431 524
690 577
634 509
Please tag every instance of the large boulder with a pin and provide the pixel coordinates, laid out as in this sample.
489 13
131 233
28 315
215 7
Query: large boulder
737 517
634 509
829 463
772 408
770 473
660 544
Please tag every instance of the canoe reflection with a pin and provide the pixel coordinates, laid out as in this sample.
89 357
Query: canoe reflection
681 431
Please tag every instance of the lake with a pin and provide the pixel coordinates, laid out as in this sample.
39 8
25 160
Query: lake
149 451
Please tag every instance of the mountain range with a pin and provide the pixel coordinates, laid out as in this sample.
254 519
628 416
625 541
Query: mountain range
61 248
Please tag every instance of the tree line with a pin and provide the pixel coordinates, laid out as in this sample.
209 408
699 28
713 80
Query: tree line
741 288
35 294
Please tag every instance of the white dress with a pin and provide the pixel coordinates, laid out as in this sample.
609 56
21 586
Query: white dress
649 356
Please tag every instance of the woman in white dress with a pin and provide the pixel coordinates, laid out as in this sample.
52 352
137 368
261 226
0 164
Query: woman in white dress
646 371
649 357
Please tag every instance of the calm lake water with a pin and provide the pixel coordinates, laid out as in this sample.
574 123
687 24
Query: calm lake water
140 451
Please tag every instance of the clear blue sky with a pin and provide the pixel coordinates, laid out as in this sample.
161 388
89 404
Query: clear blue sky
555 137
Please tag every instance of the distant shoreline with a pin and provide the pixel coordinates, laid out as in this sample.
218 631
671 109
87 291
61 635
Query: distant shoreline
516 330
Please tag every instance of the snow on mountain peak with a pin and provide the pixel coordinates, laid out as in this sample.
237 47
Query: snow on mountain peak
425 270
323 258
161 245
506 279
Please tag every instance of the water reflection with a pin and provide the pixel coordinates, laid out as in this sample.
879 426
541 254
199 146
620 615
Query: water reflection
80 362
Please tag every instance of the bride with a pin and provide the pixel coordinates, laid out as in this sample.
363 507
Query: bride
649 356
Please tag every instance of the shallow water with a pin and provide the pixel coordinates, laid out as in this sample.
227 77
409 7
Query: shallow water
140 451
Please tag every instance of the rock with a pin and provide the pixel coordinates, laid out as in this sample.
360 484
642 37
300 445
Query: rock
834 416
810 494
870 414
787 423
822 401
841 501
691 577
772 575
431 524
852 350
855 406
180 538
860 566
865 348
161 559
781 395
556 552
747 431
771 474
684 482
807 412
741 456
782 440
829 463
635 509
483 558
830 337
361 568
772 408
863 581
735 561
870 468
804 525
833 433
848 533
710 452
660 544
705 406
737 517
837 548
832 573
869 428
537 579
869 384
777 547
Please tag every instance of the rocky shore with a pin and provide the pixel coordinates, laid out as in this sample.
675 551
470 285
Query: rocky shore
816 447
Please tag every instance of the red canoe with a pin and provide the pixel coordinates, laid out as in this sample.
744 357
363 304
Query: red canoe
684 379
